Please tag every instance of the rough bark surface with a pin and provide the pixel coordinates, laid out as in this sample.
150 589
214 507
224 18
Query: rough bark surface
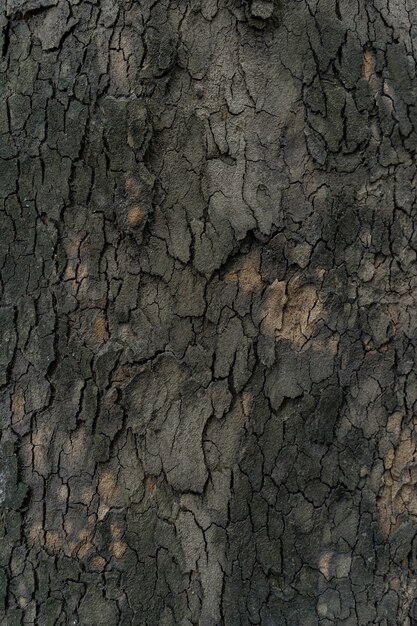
209 312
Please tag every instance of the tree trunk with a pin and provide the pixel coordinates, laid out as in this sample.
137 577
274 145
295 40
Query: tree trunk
208 318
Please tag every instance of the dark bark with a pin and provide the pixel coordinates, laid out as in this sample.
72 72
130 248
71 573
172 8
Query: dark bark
208 319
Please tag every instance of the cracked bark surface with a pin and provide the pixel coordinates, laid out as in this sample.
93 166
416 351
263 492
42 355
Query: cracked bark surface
208 314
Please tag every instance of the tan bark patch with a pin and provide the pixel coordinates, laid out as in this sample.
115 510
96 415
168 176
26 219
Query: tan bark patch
35 533
85 495
121 376
106 486
82 271
132 186
118 71
246 403
246 274
53 541
118 548
149 484
325 562
300 314
103 509
23 602
76 448
273 308
80 541
399 482
99 328
63 494
135 216
72 247
97 563
18 406
116 531
82 549
368 65
106 489
291 310
40 438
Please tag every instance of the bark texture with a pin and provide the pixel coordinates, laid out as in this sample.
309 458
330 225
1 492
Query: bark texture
209 312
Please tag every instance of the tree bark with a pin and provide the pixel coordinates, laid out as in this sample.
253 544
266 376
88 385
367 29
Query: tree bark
208 318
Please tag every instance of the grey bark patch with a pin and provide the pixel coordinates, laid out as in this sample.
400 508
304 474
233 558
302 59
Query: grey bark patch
24 6
55 24
8 341
262 9
12 489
